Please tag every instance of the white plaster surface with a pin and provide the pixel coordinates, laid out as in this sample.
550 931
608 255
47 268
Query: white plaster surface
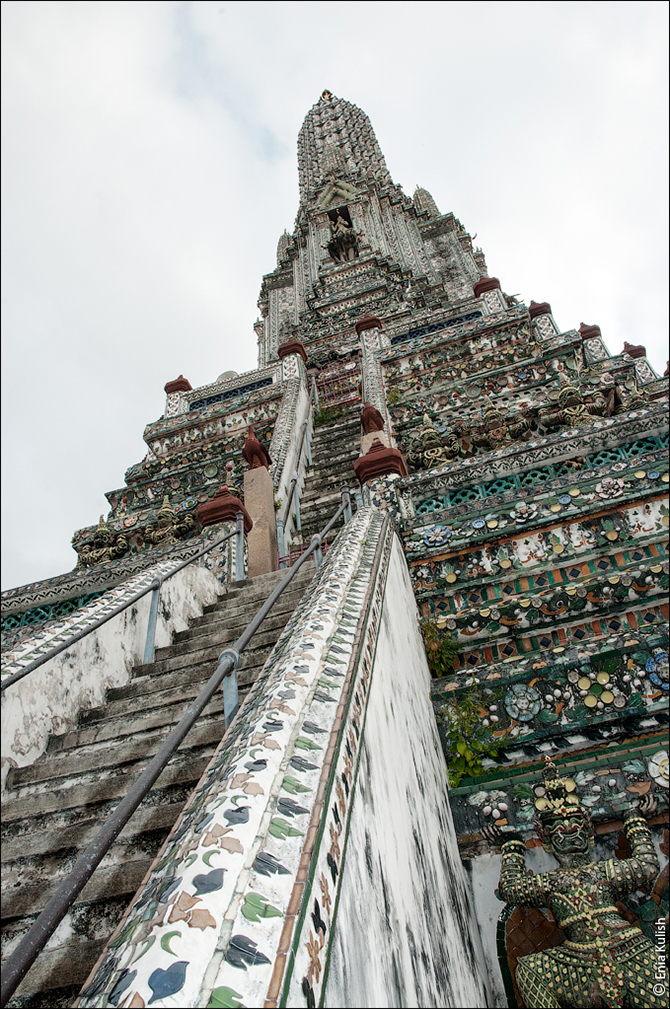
48 700
404 933
484 873
484 878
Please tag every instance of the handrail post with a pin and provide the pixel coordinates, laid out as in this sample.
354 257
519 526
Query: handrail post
309 444
281 547
359 499
318 555
149 646
239 548
316 393
346 501
296 496
229 686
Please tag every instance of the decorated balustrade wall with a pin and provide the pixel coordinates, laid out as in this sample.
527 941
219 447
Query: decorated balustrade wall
321 818
49 699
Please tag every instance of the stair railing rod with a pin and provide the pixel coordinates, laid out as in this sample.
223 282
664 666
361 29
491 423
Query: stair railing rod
157 582
150 644
347 503
294 481
19 963
282 520
239 546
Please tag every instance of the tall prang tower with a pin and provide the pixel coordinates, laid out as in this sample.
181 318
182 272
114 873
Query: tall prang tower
360 245
498 596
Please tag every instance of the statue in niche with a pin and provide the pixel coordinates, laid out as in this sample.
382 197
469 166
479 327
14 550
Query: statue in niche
604 961
162 532
105 546
343 244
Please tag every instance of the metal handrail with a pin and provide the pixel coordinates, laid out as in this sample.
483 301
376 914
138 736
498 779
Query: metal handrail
154 586
294 479
25 954
281 522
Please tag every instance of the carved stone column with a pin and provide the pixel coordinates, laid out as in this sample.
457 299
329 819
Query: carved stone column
259 503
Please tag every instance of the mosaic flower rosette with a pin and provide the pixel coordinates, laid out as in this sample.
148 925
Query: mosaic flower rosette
215 917
522 702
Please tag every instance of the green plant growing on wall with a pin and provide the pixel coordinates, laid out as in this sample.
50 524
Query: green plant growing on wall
469 742
441 649
327 415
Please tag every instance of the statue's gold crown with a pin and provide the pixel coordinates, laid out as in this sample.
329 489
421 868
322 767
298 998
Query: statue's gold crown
559 793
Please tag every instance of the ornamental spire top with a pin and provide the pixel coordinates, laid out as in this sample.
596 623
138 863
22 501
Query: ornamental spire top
337 140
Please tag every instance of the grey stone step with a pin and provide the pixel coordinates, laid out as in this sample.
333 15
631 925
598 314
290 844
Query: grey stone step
57 976
29 886
35 841
182 770
24 819
323 496
339 454
111 753
213 639
218 626
198 666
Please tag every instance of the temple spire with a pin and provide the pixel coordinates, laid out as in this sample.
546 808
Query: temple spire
336 140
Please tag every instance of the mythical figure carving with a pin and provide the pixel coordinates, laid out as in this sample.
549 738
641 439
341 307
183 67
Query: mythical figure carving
573 408
343 244
105 546
254 453
170 526
430 448
162 531
604 961
494 431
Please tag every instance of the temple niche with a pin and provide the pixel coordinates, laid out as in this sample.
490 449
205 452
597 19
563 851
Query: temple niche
343 244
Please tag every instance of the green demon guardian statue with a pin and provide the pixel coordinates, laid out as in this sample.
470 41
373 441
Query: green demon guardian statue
604 961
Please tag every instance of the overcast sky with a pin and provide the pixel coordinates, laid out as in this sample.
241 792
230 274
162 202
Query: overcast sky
150 167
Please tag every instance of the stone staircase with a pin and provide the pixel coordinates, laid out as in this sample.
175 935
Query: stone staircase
335 447
55 806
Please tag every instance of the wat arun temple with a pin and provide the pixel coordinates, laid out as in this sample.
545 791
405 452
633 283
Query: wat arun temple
446 783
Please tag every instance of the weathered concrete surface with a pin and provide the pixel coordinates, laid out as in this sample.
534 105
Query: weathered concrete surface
48 700
262 540
404 933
